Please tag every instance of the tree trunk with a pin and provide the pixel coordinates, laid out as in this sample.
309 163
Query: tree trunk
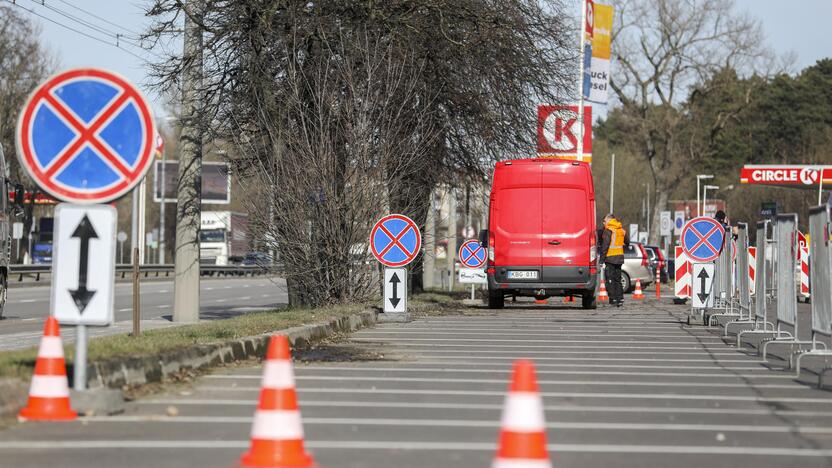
656 216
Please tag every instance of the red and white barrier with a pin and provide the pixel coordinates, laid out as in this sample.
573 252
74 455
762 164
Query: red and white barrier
682 274
804 272
752 269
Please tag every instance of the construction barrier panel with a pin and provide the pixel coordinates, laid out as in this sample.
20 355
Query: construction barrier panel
761 277
786 232
682 278
722 269
821 279
752 270
743 288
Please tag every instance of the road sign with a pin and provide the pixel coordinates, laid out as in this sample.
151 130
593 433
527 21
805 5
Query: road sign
558 131
395 240
634 232
642 237
702 239
395 290
469 232
678 222
702 282
122 236
472 254
472 276
768 210
17 230
667 223
86 136
84 251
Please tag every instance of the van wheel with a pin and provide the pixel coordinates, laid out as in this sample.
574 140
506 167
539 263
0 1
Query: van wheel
588 300
496 301
625 282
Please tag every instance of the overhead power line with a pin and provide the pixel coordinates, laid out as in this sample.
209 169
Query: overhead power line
134 34
115 38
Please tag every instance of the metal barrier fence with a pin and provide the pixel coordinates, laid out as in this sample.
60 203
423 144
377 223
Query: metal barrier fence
762 280
821 279
743 289
723 289
147 270
785 264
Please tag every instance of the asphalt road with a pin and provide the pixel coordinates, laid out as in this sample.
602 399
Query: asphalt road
631 387
219 298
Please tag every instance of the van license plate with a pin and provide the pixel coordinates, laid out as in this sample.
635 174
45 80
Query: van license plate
522 275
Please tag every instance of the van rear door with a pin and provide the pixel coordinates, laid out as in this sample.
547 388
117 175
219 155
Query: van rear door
516 206
567 212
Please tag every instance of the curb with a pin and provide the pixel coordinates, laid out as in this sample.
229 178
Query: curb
117 373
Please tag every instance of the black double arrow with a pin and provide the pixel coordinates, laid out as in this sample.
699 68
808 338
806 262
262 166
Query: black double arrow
395 281
703 277
84 232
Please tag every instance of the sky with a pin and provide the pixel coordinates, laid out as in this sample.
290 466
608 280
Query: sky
789 28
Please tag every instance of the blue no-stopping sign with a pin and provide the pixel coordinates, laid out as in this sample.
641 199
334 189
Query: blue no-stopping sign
395 240
472 254
702 239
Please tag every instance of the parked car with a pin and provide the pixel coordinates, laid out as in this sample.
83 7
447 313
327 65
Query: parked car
541 231
657 261
636 267
260 259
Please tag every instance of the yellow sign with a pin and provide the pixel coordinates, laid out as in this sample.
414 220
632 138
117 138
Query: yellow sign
602 33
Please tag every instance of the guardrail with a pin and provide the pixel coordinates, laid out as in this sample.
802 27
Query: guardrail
123 270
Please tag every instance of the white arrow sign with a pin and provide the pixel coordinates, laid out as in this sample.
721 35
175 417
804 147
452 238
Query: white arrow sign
702 282
395 290
83 264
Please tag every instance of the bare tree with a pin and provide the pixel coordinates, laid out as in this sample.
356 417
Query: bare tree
24 63
661 49
346 101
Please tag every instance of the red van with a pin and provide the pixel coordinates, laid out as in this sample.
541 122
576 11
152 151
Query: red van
541 235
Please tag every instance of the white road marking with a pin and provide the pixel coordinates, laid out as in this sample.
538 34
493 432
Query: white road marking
164 306
487 342
598 383
506 370
219 300
125 309
26 301
501 393
444 355
416 446
494 423
530 332
545 365
496 407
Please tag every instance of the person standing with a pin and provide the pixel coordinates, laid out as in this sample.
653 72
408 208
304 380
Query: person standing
613 240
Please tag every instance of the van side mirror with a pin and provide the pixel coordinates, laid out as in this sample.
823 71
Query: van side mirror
484 237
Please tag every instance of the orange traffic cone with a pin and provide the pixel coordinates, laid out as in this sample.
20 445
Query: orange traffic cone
638 294
568 299
602 293
522 442
49 392
541 301
277 432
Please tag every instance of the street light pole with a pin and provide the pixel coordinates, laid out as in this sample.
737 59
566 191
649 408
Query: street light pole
705 195
699 177
162 210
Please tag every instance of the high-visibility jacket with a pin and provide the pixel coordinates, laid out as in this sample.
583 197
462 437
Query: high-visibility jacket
617 234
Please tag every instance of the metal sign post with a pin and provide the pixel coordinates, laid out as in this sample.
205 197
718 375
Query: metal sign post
395 241
702 240
85 136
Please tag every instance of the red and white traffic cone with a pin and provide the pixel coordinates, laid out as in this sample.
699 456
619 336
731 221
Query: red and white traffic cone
638 294
522 441
49 391
602 293
277 432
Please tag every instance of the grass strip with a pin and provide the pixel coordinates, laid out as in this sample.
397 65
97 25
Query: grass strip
20 363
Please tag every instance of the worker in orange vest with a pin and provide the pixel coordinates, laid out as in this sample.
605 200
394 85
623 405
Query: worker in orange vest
613 240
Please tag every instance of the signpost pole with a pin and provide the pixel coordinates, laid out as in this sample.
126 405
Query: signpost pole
612 183
581 71
80 366
136 298
162 211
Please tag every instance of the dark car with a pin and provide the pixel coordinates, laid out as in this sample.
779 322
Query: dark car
257 259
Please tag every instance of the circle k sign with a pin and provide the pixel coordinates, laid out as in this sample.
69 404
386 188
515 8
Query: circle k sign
790 176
